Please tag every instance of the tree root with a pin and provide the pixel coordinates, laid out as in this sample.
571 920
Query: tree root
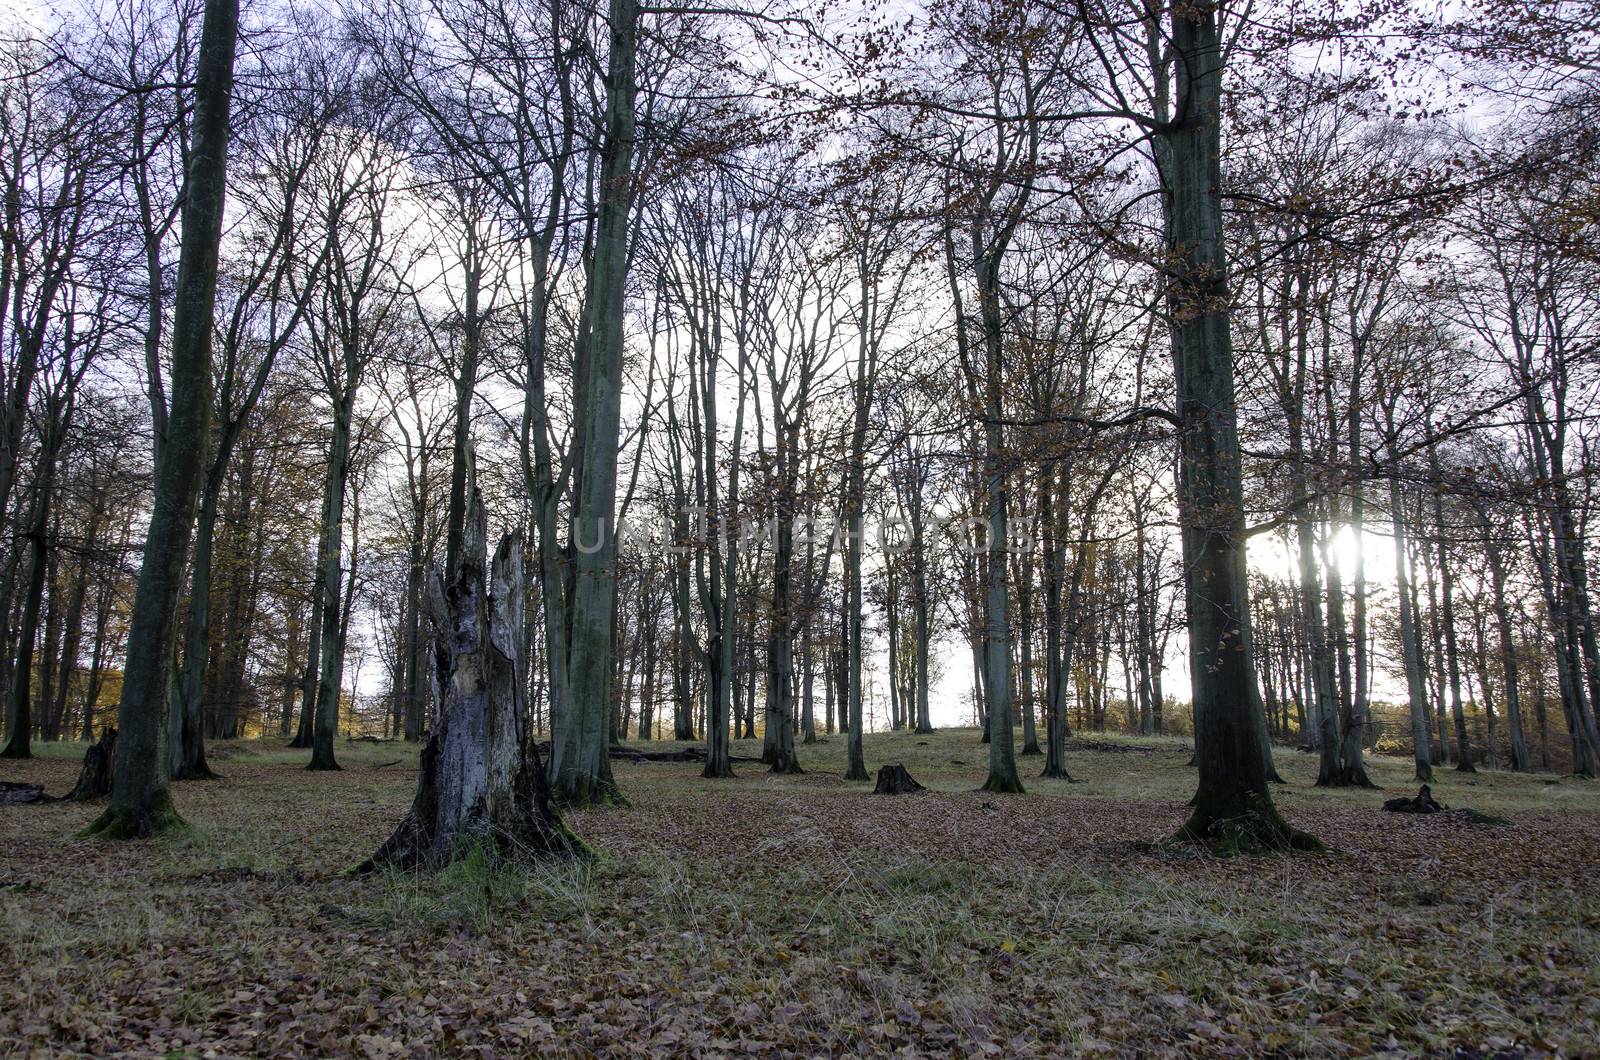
1256 828
156 819
1348 778
1003 785
592 793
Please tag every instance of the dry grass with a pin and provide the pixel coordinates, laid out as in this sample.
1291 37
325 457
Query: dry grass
804 915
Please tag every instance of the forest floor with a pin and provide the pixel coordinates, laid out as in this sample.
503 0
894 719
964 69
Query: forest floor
804 915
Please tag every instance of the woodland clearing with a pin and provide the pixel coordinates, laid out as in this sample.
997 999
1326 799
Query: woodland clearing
803 915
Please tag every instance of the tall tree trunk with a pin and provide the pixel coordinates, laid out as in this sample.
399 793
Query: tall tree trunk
50 648
141 804
647 694
585 774
1485 696
997 597
1319 661
808 671
1359 721
779 752
682 697
922 602
1058 644
850 703
1030 735
1144 624
891 607
1508 657
1436 636
330 668
1447 619
466 383
105 601
1410 650
411 666
188 751
72 639
292 630
313 659
19 701
1232 805
1569 665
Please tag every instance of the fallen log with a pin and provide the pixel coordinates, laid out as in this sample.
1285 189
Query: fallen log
14 794
634 754
683 754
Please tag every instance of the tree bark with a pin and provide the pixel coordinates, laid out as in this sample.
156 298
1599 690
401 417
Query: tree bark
188 751
997 533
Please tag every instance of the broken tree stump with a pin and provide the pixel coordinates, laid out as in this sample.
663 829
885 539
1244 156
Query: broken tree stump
480 779
94 779
1423 803
894 780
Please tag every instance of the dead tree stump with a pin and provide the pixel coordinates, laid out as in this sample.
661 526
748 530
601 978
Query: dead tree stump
94 779
1423 803
894 780
481 779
